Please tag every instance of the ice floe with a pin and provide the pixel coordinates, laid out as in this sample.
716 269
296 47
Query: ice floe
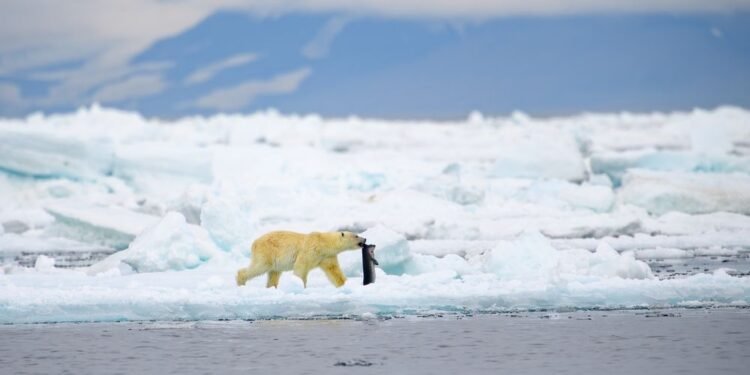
170 244
523 274
107 215
695 193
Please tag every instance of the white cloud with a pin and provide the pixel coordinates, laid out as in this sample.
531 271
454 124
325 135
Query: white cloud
105 35
320 44
131 87
498 8
36 33
206 73
238 97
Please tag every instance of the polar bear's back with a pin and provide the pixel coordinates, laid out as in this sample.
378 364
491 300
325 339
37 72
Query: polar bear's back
278 249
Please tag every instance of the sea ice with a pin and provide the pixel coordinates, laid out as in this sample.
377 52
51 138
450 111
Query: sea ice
161 168
44 264
695 193
739 239
680 223
24 219
108 226
53 153
532 257
616 164
482 214
569 279
171 244
538 153
663 253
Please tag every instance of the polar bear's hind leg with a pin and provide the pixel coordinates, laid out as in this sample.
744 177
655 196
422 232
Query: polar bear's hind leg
273 279
255 269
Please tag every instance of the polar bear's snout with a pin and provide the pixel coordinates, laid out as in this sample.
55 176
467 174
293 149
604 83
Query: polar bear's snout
361 241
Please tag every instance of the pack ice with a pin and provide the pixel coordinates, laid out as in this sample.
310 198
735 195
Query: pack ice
109 216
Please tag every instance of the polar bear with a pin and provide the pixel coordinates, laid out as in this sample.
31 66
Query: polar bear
276 252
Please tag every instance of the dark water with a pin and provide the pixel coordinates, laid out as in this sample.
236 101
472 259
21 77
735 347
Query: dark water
737 265
697 341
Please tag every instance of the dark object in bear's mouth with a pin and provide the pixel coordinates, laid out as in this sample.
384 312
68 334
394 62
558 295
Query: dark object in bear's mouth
368 264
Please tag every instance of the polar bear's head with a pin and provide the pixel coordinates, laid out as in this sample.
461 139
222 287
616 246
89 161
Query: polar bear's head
343 241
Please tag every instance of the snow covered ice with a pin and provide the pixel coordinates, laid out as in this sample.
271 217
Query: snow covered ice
108 216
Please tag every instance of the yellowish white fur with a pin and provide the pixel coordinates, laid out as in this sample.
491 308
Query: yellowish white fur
279 251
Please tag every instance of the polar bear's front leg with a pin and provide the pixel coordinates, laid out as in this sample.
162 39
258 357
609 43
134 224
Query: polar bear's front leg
332 269
301 267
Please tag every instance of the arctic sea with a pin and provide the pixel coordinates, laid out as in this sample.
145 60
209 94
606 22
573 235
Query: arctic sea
670 341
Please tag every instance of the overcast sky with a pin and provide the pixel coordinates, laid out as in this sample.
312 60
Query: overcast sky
388 58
